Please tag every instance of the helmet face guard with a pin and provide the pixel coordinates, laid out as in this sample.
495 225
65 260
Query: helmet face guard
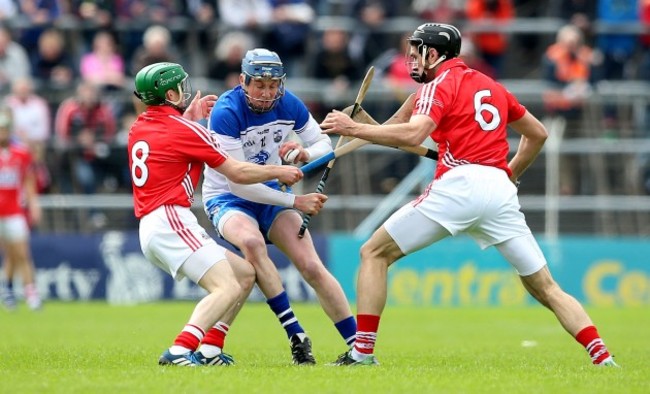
262 65
184 89
153 82
412 63
446 39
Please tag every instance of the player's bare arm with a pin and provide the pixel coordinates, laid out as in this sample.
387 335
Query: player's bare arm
410 133
200 107
533 135
248 173
404 112
31 196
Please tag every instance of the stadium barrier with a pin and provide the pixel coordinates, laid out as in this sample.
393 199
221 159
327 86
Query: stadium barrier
110 266
598 271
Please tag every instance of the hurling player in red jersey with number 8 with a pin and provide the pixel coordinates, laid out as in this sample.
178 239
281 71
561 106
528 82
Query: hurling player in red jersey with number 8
167 151
466 113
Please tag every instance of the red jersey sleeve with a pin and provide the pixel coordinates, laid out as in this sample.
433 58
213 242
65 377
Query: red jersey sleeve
515 109
432 97
197 143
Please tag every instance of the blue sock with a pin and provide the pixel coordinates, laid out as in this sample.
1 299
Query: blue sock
348 329
280 306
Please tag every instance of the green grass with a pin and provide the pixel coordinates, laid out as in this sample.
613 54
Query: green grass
97 348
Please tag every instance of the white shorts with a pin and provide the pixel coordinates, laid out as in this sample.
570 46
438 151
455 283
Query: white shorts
14 228
172 239
477 200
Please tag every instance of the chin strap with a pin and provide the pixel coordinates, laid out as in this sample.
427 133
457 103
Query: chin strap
440 60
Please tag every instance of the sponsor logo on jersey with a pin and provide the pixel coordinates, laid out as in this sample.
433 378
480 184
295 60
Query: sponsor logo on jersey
277 136
261 158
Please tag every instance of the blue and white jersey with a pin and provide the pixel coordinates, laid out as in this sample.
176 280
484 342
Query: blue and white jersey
259 135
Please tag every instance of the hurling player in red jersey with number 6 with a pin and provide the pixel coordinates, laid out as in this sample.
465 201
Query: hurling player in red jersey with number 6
473 191
167 150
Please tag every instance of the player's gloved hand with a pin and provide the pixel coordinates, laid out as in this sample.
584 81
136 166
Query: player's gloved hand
311 203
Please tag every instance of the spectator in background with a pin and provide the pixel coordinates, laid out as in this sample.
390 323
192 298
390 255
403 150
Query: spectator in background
8 9
334 66
41 15
205 17
250 15
644 39
225 66
96 15
14 62
369 43
288 32
473 60
16 183
156 47
103 66
617 49
580 13
333 62
31 126
396 74
332 59
567 66
84 127
52 64
441 11
491 46
644 74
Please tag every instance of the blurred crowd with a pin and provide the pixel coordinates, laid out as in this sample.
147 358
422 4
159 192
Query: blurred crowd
66 66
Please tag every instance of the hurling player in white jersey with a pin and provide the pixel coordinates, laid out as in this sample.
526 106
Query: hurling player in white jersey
252 122
167 150
473 191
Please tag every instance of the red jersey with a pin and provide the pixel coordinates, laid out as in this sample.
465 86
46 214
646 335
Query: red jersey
166 156
15 163
471 111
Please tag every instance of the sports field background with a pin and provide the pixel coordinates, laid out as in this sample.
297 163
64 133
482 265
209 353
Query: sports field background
97 348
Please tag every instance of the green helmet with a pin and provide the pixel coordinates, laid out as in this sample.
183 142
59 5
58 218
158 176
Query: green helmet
153 81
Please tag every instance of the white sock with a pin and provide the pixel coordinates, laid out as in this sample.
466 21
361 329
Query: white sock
178 350
210 351
358 356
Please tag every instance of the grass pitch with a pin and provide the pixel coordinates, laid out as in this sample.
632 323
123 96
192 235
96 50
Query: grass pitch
97 348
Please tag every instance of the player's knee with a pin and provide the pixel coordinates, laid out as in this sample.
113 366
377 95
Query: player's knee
374 251
231 292
313 271
252 244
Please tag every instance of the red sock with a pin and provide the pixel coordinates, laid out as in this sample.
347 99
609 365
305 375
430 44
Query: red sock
190 337
367 326
595 346
216 336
